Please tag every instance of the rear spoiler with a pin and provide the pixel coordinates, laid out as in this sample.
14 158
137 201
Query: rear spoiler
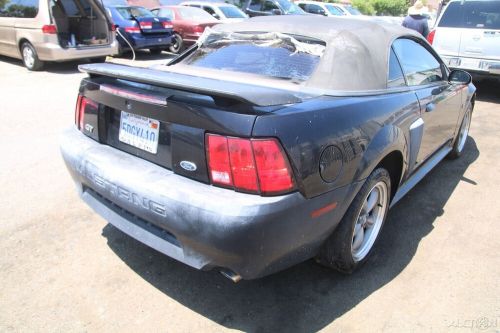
242 92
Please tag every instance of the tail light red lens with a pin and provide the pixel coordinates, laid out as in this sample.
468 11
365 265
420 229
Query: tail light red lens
168 25
242 164
83 104
218 160
113 27
133 30
198 28
274 171
49 29
249 165
430 36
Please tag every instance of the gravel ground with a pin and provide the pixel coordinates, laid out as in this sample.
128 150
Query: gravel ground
63 268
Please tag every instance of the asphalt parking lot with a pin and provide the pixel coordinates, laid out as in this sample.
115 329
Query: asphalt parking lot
63 268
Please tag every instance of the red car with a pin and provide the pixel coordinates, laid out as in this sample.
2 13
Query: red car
189 24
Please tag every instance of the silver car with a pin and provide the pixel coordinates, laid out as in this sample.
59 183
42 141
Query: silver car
38 31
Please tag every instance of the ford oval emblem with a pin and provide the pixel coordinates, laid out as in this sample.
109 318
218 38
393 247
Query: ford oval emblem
188 166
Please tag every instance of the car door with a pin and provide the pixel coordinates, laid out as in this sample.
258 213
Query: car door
8 45
440 101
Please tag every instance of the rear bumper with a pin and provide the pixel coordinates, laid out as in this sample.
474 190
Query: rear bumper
201 225
140 41
481 66
54 52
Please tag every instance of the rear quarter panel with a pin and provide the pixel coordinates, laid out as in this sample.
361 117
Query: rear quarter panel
365 129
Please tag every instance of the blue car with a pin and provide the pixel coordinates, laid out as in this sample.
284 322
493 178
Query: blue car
141 28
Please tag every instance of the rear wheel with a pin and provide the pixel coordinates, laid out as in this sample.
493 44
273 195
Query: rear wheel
463 133
30 57
177 44
155 51
351 243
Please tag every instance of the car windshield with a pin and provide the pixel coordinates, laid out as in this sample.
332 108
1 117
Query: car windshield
334 10
290 7
268 54
195 14
352 10
231 12
473 14
127 12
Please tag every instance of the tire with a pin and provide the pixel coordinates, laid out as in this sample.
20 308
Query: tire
463 133
98 59
155 51
177 44
352 241
30 57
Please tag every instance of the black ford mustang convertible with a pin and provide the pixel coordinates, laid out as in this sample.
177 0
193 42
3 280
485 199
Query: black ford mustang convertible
267 143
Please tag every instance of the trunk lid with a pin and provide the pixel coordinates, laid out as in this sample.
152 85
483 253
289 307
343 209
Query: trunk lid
152 25
174 109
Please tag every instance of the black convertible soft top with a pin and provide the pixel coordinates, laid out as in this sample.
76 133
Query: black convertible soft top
357 50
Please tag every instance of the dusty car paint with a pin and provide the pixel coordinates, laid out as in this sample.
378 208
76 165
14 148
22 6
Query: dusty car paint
333 140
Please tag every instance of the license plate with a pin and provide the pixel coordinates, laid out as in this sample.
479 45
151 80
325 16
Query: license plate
469 63
140 132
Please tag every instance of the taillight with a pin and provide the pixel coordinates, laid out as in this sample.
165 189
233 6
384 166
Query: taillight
430 36
248 165
113 27
133 30
198 28
84 105
146 25
168 25
49 29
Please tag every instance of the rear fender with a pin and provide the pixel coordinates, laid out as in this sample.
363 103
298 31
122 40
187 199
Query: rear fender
390 138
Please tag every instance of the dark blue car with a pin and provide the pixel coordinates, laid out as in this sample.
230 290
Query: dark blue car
141 29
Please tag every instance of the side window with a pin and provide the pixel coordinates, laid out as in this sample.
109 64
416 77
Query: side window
164 12
19 8
302 6
269 6
209 10
396 77
255 5
315 9
419 65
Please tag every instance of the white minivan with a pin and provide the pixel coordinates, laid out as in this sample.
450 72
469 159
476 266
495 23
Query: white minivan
37 31
467 36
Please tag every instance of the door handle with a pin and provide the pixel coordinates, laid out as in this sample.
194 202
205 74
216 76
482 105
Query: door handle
430 107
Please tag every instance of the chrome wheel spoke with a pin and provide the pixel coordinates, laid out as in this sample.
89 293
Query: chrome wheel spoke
372 200
369 221
359 234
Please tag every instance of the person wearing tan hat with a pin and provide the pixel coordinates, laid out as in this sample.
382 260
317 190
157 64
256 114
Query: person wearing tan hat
416 20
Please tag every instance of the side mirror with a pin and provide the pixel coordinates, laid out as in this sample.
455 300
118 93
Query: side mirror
459 76
277 12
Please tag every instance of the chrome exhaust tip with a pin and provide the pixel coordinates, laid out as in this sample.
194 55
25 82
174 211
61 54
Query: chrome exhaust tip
231 275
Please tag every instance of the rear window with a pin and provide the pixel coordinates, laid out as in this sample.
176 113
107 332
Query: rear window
195 14
334 10
268 55
472 14
127 12
232 12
